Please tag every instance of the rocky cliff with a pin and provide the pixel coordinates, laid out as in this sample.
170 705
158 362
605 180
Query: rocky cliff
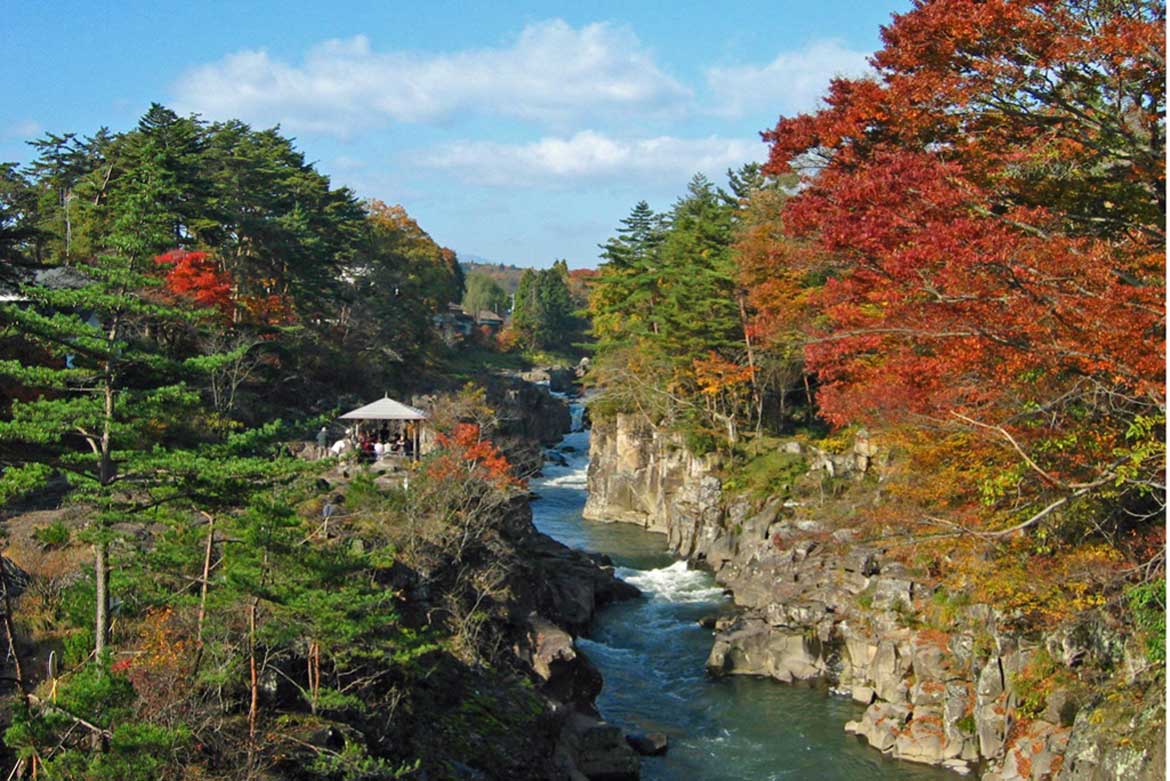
553 593
639 474
944 682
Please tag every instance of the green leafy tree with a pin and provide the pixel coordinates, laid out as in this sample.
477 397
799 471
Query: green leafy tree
166 153
664 300
98 703
360 282
399 279
698 307
19 234
275 223
61 163
484 293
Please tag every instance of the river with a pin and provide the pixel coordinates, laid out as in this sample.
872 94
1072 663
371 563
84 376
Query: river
651 653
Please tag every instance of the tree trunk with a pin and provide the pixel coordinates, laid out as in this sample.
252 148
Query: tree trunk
808 399
107 471
9 634
254 704
757 395
66 201
314 673
101 573
203 593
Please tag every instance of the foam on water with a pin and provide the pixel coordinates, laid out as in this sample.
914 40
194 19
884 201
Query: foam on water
676 583
579 442
569 477
614 653
574 450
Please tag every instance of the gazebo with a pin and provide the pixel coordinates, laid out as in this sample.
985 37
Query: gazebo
387 408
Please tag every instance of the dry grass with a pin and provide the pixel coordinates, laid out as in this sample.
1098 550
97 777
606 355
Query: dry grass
46 561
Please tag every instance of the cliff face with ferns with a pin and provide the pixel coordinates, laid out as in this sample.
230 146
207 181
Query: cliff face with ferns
945 681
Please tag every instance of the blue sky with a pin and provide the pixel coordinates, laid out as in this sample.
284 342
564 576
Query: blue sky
518 131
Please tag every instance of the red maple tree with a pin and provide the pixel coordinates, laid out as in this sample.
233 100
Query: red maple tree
989 215
196 276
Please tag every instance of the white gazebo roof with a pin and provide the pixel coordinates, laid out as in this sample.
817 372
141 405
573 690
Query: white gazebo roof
385 408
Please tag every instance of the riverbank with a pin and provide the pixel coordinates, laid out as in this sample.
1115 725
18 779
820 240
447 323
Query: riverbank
651 653
942 682
401 624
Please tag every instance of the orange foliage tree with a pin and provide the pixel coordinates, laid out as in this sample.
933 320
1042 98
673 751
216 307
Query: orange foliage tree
723 386
459 494
989 215
466 454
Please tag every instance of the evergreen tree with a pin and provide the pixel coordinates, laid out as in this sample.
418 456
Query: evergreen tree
276 225
19 234
697 310
628 288
667 313
61 163
525 308
170 149
543 311
103 396
556 306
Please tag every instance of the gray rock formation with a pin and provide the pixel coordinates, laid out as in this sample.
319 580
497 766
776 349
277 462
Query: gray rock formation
815 605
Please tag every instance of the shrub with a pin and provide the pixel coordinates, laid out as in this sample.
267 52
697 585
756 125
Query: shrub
948 605
1038 679
770 472
77 647
700 442
1147 604
55 535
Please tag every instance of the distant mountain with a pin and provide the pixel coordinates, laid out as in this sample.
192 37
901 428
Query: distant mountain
471 257
506 276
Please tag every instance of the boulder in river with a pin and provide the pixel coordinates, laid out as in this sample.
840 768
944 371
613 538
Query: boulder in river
598 751
649 744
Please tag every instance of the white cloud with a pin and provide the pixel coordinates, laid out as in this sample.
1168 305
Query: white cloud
550 73
793 82
589 156
24 129
347 163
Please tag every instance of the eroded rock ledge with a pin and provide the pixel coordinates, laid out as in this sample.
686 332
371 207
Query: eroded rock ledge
817 605
562 590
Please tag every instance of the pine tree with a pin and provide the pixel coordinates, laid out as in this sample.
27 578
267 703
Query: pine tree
698 309
103 394
627 290
60 165
667 311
